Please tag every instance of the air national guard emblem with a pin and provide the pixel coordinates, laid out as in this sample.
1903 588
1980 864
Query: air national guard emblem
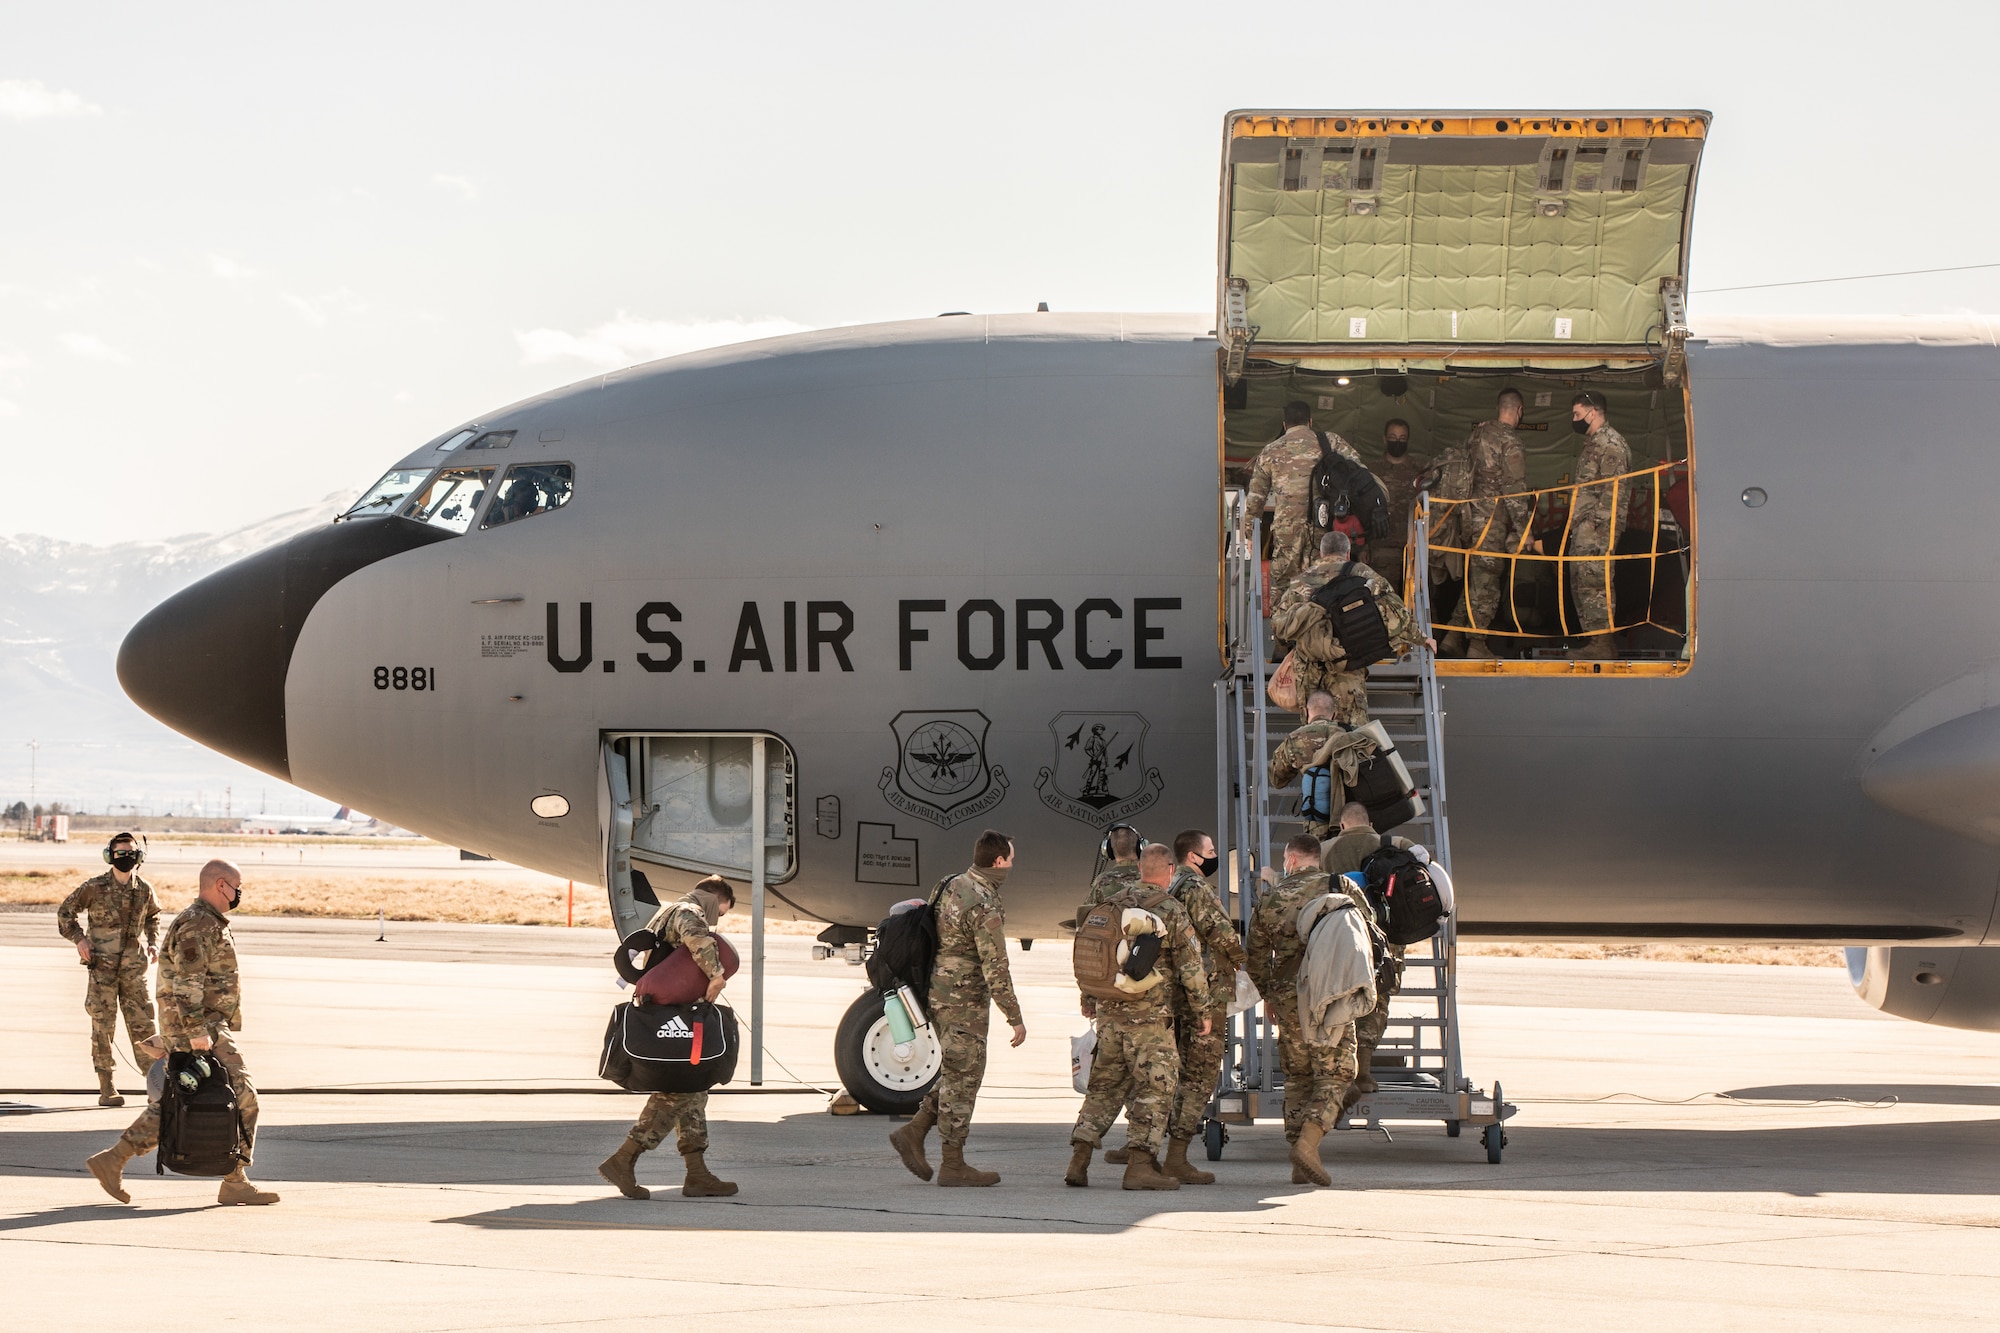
941 773
1100 774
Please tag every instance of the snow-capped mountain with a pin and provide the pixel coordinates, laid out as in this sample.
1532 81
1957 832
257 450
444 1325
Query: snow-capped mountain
64 608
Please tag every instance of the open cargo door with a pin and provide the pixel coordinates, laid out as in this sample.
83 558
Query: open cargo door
1407 266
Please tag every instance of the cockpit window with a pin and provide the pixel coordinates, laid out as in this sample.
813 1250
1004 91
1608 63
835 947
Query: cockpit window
452 498
452 441
385 495
530 490
493 439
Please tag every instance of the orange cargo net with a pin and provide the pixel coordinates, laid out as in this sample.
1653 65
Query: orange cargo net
1642 490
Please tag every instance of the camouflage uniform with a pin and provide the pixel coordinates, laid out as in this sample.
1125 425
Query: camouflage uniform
1454 482
1281 474
1201 1056
1594 528
682 1114
1300 620
1295 754
1346 853
1499 467
1114 878
1316 1077
1136 1054
970 974
200 993
1399 478
124 929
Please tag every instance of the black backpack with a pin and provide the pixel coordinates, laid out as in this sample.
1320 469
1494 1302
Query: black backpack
1355 619
1407 905
670 1047
906 948
200 1126
1339 487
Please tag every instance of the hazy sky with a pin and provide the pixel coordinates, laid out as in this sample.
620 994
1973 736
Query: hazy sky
250 254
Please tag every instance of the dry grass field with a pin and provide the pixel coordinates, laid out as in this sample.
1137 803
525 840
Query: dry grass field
517 902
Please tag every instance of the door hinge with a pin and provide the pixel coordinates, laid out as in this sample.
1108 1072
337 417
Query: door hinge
1674 323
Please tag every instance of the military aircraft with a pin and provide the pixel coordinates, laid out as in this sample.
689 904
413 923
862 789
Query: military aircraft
840 600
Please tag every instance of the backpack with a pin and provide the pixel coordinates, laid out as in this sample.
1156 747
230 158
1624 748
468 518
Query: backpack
1100 929
1407 905
1341 488
1316 794
906 948
669 1047
1355 620
200 1125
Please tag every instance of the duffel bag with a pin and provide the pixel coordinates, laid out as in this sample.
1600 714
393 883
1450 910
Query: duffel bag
678 979
670 1047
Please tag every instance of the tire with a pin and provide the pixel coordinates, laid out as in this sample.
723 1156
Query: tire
1213 1136
864 1053
1451 1129
1495 1139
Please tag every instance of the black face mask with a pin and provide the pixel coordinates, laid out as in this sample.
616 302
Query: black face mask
1580 426
1396 448
1209 865
236 898
126 861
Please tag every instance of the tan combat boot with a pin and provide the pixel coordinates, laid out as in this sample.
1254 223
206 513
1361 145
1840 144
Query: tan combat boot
701 1183
1477 650
1118 1156
1143 1173
1079 1164
236 1188
909 1141
109 1168
621 1169
956 1172
107 1090
1178 1166
1597 648
1350 1097
1305 1155
1452 644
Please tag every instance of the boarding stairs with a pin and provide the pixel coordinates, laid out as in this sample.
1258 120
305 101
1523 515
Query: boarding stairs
1419 1065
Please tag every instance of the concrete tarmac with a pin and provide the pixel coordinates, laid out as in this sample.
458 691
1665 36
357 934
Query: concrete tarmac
432 1120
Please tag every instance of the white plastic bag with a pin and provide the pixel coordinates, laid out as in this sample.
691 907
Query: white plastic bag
1246 993
1082 1047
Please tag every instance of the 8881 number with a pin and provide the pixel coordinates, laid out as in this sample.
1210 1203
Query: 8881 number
406 678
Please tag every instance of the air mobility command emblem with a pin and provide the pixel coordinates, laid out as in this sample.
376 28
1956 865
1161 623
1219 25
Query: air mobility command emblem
1100 774
941 773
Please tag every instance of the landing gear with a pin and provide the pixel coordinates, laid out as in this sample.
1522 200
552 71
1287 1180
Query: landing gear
1213 1136
883 1077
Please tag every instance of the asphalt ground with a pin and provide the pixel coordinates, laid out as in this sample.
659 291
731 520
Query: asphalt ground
1712 1145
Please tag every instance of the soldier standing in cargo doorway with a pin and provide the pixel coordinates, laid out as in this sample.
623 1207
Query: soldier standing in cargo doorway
1319 659
1398 473
1281 474
120 942
1597 519
1316 1076
1137 1064
1488 522
201 1009
689 922
969 977
1449 481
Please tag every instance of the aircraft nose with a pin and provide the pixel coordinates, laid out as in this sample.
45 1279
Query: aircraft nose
211 661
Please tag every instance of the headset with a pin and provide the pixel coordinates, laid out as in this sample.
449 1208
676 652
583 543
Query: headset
1104 848
137 850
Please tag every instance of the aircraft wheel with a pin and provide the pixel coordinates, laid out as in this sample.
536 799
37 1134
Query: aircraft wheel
1213 1136
1451 1129
872 1069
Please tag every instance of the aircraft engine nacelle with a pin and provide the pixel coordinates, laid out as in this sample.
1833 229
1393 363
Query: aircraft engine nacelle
1954 988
